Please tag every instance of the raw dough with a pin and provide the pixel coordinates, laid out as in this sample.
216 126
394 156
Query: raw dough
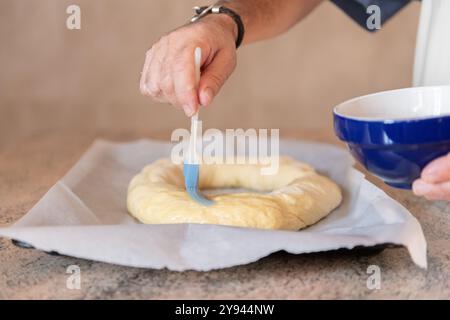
292 199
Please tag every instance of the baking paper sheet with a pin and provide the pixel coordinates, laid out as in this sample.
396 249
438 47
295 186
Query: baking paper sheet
84 215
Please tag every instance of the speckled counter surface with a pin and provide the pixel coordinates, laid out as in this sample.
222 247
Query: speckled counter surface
29 167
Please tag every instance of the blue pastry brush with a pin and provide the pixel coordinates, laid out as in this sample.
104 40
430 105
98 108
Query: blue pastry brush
191 167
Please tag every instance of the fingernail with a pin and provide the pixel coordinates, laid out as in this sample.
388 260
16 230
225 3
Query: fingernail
206 96
420 187
188 110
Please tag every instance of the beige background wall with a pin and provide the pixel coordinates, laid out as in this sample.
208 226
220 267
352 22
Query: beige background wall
53 79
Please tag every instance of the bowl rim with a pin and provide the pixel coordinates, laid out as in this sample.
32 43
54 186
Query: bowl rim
390 120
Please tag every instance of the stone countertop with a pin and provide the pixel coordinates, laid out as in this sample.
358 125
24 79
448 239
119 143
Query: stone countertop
30 166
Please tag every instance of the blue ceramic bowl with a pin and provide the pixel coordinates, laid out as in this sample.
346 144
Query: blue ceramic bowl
395 134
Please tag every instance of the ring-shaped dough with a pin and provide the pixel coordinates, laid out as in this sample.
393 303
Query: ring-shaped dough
292 199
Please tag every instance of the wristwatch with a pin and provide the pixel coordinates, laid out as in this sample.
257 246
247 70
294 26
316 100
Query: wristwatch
200 12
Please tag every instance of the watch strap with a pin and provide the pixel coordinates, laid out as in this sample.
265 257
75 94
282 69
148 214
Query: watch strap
220 9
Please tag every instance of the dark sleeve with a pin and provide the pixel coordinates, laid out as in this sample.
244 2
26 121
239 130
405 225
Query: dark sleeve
356 9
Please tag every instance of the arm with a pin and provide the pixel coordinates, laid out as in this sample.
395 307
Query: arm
264 19
168 74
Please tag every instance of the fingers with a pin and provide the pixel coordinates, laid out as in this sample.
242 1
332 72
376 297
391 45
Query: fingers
151 73
170 77
184 82
432 191
434 183
168 74
437 170
215 75
145 74
172 80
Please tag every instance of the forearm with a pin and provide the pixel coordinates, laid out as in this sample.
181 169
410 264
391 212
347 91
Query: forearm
264 19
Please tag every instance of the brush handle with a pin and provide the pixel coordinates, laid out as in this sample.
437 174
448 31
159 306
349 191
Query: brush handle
192 152
198 64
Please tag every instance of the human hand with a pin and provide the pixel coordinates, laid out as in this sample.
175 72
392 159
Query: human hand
169 73
434 182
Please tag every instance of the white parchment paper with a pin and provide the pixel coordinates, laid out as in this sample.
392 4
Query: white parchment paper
84 215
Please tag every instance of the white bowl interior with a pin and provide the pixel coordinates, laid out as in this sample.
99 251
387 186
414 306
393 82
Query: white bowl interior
401 104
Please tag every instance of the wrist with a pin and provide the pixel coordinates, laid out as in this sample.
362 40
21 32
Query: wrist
217 9
224 22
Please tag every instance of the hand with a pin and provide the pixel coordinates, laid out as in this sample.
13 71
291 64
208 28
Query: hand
434 183
169 72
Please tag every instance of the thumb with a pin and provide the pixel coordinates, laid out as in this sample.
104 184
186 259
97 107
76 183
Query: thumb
215 74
